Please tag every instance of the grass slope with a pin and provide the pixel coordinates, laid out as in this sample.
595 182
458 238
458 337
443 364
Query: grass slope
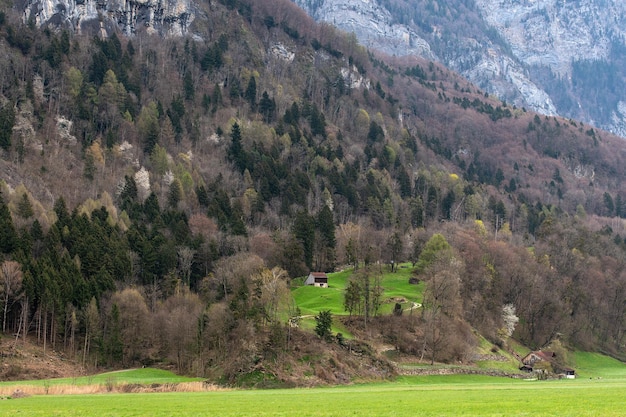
596 365
312 300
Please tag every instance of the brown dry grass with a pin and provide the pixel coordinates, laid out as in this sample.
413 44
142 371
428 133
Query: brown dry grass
26 390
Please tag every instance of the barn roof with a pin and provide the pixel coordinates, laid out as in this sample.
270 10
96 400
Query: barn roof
546 356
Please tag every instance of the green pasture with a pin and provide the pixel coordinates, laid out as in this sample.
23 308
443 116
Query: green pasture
409 396
312 300
598 393
596 365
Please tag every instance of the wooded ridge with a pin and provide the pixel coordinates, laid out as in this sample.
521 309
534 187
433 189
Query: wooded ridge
159 194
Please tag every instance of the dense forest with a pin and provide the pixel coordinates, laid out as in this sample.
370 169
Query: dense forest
158 195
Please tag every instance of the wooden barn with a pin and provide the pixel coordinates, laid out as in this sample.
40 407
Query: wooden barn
544 361
317 279
536 357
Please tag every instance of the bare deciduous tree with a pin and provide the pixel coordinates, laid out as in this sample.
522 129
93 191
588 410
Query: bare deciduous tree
178 317
275 294
442 300
134 320
185 262
91 318
11 287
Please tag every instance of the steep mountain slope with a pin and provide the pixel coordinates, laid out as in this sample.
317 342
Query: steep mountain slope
158 192
549 56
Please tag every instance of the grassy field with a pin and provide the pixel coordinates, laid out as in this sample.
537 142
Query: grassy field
598 392
410 396
312 300
595 365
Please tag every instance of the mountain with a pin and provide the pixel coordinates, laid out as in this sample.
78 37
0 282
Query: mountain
550 56
160 195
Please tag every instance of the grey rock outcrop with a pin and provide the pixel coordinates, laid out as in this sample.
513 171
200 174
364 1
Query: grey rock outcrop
167 17
372 24
556 32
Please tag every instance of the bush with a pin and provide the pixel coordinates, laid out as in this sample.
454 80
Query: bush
323 322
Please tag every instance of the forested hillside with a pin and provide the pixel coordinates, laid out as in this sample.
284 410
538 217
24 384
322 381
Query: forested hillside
158 195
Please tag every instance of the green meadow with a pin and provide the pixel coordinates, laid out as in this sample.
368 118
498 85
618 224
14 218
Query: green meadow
598 392
311 300
408 396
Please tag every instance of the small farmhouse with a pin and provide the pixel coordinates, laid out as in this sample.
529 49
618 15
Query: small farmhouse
535 358
543 361
317 279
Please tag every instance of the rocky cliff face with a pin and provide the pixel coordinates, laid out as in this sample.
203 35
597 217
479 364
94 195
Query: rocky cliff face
562 36
541 54
373 25
168 17
555 33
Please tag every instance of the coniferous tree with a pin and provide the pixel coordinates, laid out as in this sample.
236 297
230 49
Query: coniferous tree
267 107
129 193
323 324
236 153
405 183
325 246
619 206
317 121
326 226
188 87
376 133
7 119
25 207
89 169
203 196
60 209
237 225
176 193
431 209
151 207
395 248
609 204
417 212
250 93
304 232
446 205
234 90
216 98
148 125
113 345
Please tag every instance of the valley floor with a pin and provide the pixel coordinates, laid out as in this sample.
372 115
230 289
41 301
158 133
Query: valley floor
424 396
